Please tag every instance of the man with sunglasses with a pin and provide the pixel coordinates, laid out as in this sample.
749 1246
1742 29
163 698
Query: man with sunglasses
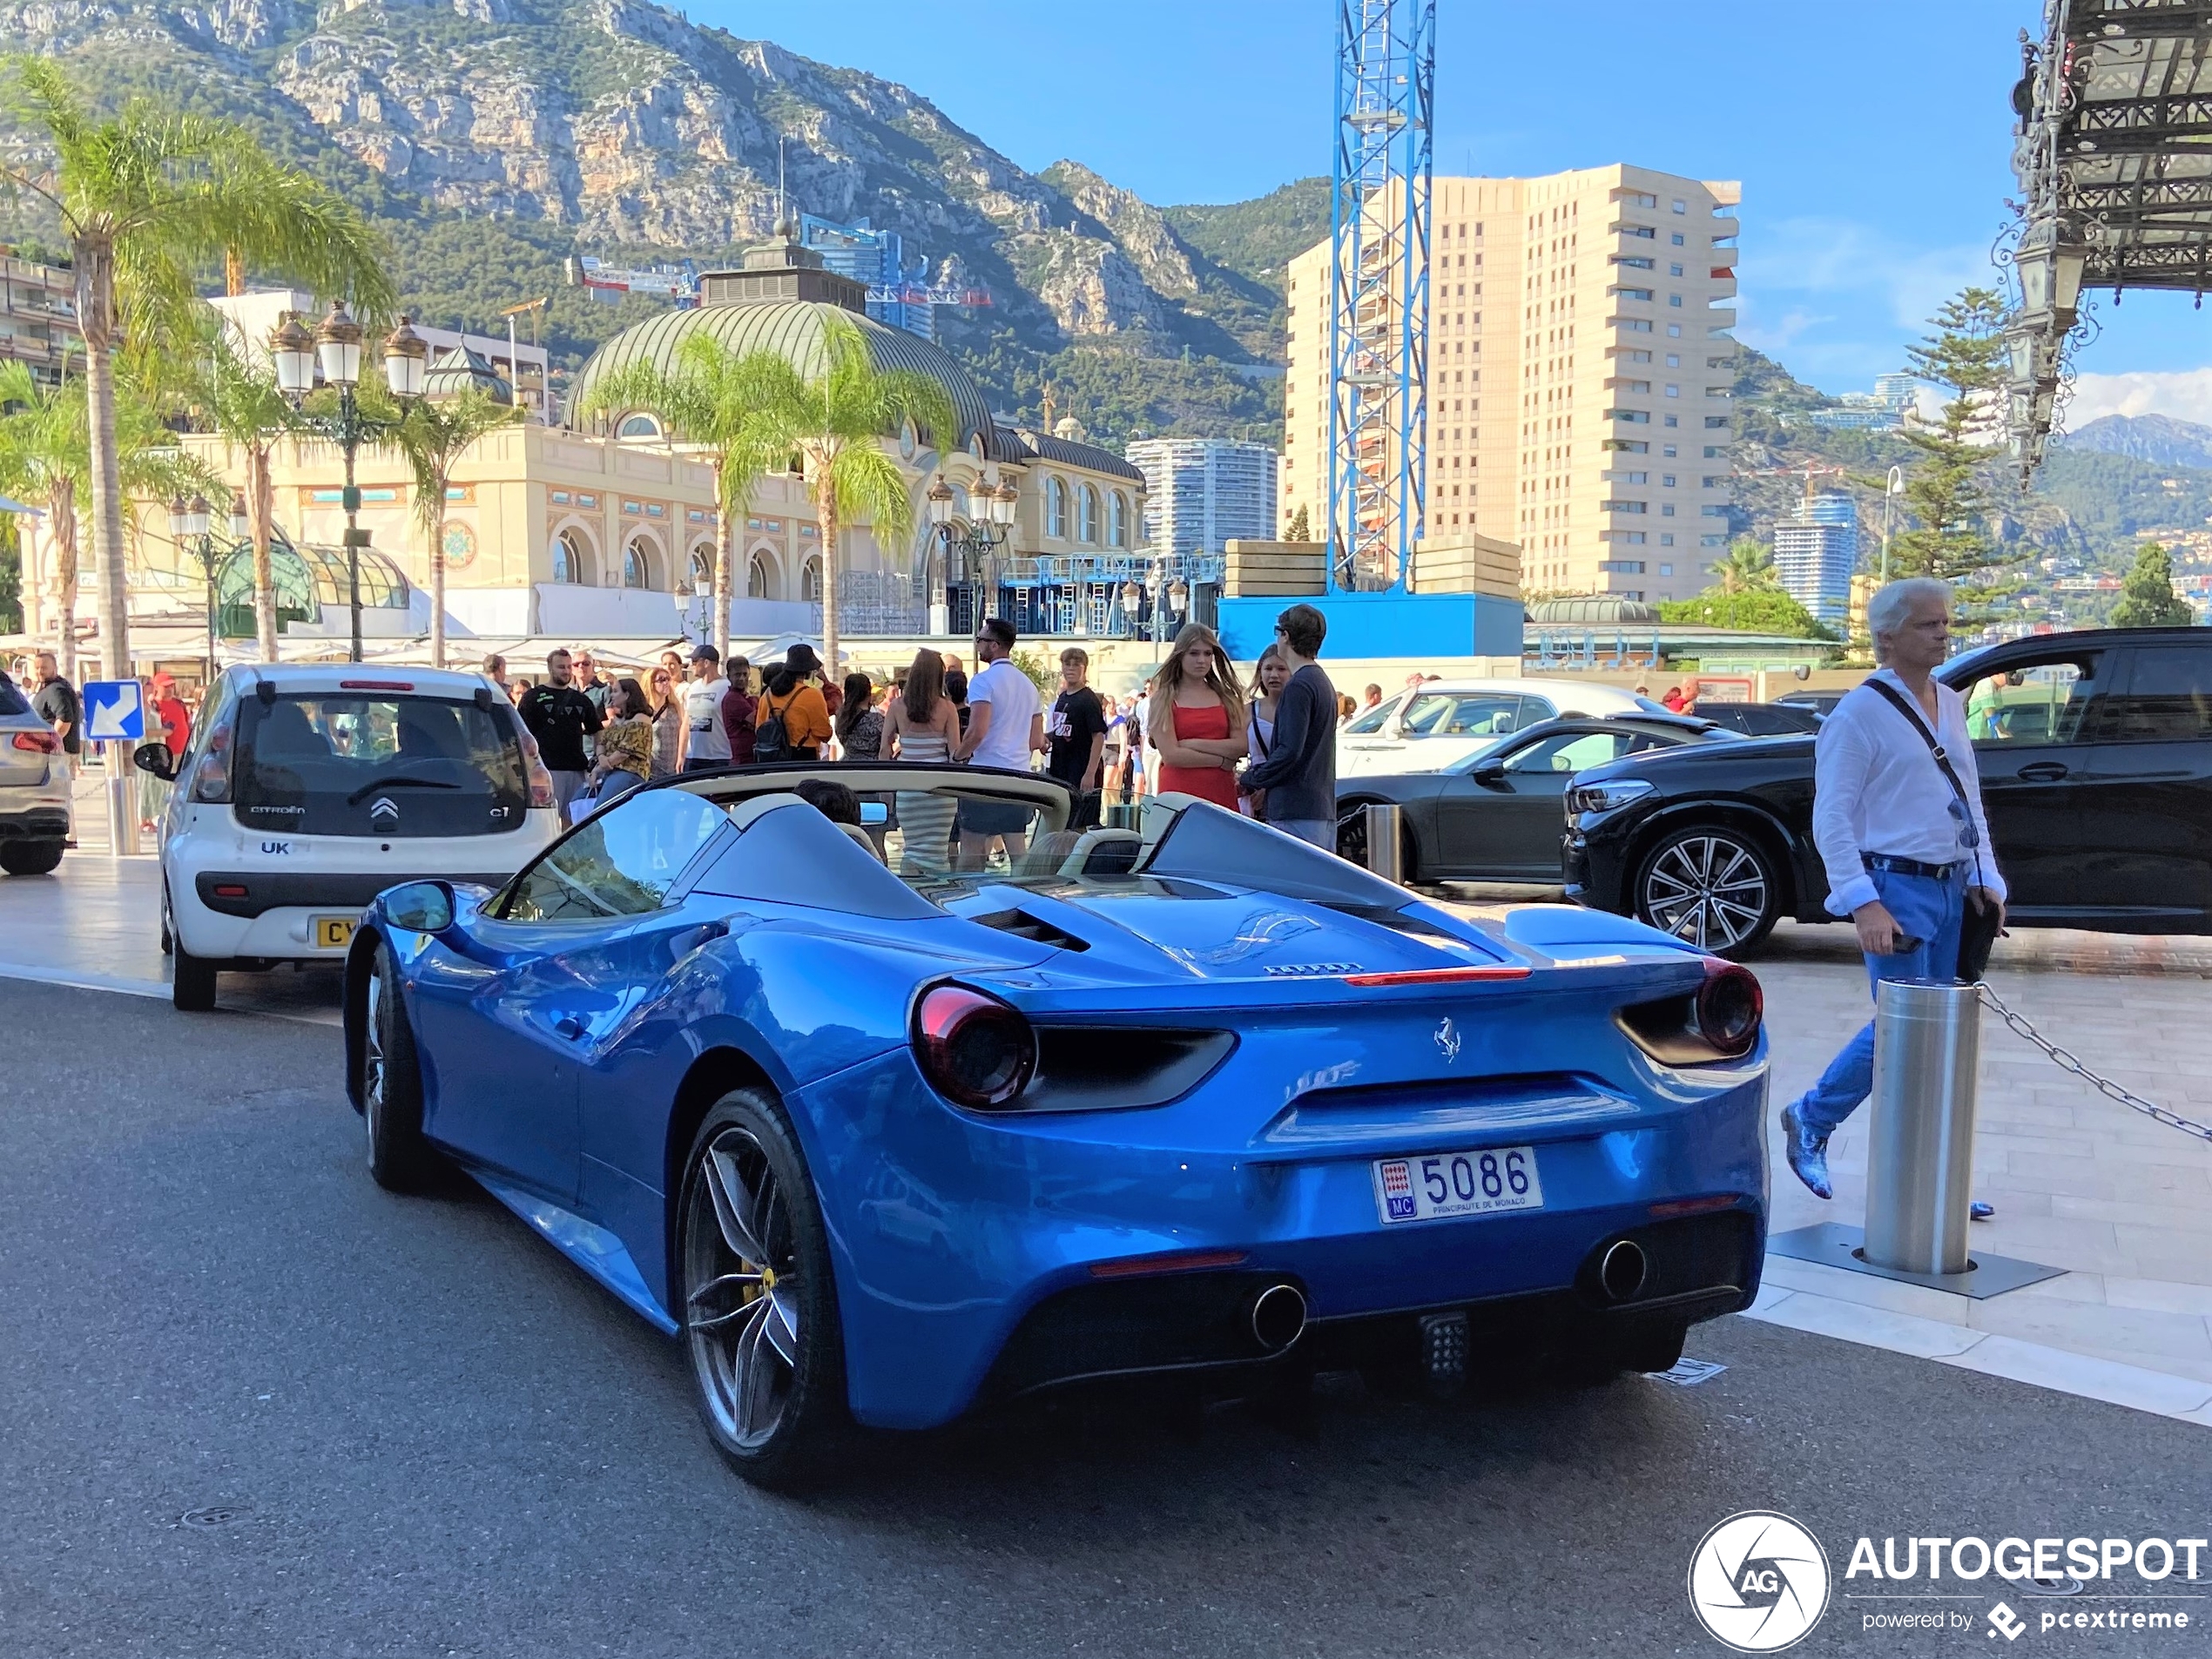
1906 851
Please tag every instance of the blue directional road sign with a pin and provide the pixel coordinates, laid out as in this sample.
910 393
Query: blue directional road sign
113 710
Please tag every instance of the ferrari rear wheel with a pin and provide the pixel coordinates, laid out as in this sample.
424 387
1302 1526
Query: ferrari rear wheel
400 1160
1712 885
760 1307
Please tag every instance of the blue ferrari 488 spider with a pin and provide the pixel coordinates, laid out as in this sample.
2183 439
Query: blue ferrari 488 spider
880 1138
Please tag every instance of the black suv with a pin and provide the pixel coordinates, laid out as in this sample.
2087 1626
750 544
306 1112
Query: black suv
2096 755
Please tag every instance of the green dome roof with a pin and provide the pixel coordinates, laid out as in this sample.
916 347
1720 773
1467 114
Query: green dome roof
794 328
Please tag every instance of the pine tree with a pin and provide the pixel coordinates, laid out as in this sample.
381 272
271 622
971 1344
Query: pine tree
1300 528
2147 598
1948 490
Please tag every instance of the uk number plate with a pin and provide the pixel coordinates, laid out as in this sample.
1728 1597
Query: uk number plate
1457 1183
332 932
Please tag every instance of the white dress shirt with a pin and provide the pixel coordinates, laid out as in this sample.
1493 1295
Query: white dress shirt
1877 789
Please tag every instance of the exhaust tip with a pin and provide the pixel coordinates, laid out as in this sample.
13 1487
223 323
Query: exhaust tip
1279 1317
1623 1270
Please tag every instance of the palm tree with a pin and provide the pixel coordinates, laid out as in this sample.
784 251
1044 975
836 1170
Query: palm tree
705 401
145 198
1748 566
45 459
42 442
835 419
432 436
241 403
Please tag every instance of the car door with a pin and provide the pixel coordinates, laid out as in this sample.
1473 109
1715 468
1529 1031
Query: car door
2034 735
2151 785
511 1004
1502 818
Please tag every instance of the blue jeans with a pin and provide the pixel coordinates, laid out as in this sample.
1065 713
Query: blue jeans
1321 831
1930 910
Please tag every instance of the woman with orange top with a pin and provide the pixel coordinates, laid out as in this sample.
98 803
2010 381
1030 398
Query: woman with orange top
1196 720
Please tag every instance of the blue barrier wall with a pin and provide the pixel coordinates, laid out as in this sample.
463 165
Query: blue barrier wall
1421 626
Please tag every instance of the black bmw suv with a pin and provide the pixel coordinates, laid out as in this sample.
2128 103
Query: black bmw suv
2095 755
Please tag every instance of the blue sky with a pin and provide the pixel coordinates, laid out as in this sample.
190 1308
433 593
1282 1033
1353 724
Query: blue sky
1873 138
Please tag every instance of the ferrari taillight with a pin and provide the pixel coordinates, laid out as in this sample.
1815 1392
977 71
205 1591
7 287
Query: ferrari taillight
39 743
975 1051
1730 1006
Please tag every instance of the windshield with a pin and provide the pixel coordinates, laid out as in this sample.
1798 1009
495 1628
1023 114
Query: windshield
387 764
1368 720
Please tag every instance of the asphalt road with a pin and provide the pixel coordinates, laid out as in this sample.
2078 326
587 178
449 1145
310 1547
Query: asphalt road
251 1404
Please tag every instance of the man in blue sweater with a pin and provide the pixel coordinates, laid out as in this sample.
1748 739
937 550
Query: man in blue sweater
1300 775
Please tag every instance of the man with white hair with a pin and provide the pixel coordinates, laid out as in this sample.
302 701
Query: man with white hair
1896 814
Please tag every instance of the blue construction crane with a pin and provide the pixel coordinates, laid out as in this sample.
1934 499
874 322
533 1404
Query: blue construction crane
1378 226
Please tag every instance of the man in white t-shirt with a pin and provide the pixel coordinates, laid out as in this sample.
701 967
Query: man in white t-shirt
705 743
1005 728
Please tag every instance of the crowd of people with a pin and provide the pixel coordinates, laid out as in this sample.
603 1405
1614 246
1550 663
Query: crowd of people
1265 747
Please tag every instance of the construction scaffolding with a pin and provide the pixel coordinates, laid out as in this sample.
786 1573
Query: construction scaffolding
1378 299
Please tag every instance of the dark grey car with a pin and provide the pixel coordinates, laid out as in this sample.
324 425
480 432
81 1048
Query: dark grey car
1498 815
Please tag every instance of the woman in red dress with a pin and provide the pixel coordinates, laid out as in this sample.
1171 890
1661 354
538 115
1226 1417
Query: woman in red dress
1197 720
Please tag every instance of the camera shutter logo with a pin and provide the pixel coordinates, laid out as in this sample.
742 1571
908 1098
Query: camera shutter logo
1758 1582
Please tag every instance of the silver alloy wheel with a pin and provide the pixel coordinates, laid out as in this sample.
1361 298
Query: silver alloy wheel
741 1290
1707 889
373 1065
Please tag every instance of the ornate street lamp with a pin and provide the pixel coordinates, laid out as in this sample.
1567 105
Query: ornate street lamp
988 523
335 349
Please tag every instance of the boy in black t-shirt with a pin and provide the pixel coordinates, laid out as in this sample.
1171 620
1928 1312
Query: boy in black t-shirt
1076 736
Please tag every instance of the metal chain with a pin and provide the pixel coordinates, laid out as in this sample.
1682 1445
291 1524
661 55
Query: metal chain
2068 1062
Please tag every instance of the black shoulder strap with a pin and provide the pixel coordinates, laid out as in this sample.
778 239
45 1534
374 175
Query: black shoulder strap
1919 723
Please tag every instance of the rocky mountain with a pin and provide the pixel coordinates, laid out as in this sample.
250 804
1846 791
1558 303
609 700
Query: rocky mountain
494 137
2158 439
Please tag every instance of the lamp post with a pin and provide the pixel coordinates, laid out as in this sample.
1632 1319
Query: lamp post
335 348
990 521
1892 488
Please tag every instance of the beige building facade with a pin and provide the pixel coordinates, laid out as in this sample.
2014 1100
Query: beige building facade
1579 367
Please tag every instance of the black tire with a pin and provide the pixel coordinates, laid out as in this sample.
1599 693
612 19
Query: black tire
29 857
390 1085
770 1384
1712 885
191 980
1352 841
168 933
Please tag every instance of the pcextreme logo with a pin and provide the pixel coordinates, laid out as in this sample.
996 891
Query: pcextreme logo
1758 1582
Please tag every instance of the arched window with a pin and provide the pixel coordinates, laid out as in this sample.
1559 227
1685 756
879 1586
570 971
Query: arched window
1056 509
634 567
567 559
1117 520
1086 514
810 581
702 568
639 426
761 579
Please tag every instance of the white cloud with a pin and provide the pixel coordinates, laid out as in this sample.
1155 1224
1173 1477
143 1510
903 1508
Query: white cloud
1821 255
2186 395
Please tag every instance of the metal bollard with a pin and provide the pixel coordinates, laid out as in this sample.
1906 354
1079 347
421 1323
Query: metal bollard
1919 1163
1383 845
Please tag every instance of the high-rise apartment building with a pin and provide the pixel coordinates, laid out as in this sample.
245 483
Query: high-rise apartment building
37 315
1815 554
1202 492
1580 367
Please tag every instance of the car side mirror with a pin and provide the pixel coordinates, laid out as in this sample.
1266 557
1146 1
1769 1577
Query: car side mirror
156 758
1490 771
421 907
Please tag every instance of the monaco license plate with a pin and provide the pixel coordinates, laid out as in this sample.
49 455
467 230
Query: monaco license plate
332 932
1457 1183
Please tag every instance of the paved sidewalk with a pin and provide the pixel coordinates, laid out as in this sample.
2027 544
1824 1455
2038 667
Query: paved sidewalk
2122 1203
